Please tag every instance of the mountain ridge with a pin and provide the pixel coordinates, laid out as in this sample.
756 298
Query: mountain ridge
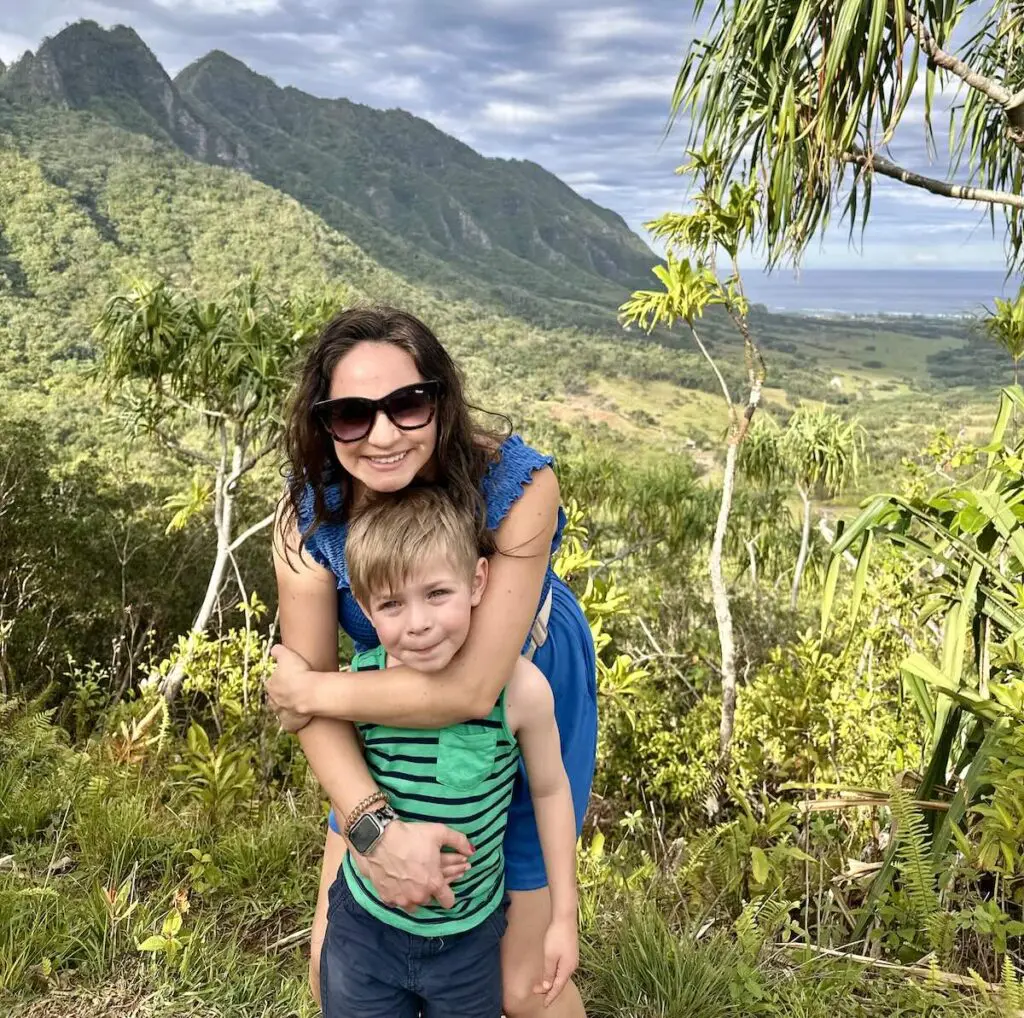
500 232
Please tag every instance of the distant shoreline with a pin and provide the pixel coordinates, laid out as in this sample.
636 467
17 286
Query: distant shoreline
879 294
836 315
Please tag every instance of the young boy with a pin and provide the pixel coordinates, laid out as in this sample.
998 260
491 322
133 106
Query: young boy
415 568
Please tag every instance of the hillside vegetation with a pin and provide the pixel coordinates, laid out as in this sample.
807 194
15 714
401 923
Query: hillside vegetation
500 232
161 860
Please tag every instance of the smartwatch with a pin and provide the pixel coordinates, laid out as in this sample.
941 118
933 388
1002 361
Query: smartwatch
364 834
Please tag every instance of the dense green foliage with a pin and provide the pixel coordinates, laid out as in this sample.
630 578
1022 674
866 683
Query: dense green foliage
145 852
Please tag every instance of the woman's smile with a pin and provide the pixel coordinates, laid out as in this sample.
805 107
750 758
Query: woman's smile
390 460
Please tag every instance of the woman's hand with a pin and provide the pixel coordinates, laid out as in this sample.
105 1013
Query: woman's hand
408 868
289 688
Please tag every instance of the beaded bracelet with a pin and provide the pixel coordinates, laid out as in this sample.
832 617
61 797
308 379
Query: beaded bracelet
362 807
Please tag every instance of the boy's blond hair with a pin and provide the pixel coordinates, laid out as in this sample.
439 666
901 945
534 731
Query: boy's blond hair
393 535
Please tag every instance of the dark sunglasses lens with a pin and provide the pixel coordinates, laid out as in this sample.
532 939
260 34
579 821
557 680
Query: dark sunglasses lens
412 408
349 419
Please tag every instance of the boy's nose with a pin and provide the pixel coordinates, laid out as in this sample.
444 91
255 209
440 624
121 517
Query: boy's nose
419 620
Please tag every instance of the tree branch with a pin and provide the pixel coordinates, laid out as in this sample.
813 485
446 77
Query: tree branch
714 367
182 405
256 457
998 93
176 447
246 534
960 192
995 91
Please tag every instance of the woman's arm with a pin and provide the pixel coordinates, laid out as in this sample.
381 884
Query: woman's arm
308 600
470 684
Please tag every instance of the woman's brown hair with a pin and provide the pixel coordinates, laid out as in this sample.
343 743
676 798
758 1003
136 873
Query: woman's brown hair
464 449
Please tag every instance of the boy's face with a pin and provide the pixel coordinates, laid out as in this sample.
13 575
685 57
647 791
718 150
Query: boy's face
427 621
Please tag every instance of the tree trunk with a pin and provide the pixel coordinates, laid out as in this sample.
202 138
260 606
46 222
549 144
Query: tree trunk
805 543
723 613
223 511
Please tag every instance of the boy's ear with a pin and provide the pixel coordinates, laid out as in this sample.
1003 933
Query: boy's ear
479 581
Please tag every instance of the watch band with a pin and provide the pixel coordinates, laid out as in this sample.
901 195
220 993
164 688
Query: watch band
359 809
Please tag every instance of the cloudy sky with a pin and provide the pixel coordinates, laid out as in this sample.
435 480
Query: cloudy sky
579 86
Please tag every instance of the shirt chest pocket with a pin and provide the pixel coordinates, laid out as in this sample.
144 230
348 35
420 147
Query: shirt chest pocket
465 755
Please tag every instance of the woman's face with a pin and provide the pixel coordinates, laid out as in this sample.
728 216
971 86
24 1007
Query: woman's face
388 458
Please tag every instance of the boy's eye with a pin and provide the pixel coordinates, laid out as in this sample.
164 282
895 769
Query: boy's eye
387 606
439 592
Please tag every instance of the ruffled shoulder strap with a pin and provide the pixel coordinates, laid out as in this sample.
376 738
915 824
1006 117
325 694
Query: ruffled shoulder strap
505 479
326 544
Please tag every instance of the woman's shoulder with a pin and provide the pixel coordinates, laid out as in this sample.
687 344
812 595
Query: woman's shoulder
509 473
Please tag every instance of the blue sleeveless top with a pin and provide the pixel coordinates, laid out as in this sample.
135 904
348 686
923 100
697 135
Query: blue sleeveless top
501 487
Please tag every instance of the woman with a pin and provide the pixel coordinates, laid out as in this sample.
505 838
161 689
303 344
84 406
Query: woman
380 406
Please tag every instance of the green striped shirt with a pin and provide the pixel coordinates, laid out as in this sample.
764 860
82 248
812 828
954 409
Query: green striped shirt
460 776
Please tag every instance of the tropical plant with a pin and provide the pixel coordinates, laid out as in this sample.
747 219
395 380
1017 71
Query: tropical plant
794 93
1005 327
170 358
722 222
964 545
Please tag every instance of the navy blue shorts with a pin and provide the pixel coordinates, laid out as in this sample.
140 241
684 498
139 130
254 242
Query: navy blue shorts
369 969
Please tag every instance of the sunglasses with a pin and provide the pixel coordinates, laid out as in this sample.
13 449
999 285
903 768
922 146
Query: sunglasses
352 418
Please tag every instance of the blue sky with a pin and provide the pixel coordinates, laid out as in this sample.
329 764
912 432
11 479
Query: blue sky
579 86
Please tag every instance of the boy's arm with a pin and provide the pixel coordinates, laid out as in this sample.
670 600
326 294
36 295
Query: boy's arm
531 712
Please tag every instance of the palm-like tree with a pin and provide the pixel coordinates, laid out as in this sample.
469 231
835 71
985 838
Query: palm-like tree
172 360
821 452
805 96
817 452
721 223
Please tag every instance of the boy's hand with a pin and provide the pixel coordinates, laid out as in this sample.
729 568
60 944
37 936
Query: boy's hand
561 956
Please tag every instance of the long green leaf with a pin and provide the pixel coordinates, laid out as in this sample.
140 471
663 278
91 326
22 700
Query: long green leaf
966 793
861 574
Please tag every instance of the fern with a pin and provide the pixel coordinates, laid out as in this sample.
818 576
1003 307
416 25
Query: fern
32 751
701 854
761 921
913 857
1013 990
941 928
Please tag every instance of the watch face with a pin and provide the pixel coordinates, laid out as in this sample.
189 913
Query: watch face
364 833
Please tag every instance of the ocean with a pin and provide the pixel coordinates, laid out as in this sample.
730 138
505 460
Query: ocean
842 292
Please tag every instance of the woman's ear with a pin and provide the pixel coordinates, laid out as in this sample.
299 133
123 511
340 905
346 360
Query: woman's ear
479 581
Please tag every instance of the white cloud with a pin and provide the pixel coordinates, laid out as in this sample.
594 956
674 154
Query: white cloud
516 116
592 26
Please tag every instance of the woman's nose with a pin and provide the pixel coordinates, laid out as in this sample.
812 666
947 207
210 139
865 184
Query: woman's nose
383 433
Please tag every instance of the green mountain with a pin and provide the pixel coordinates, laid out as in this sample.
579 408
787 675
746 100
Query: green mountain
496 231
86 207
